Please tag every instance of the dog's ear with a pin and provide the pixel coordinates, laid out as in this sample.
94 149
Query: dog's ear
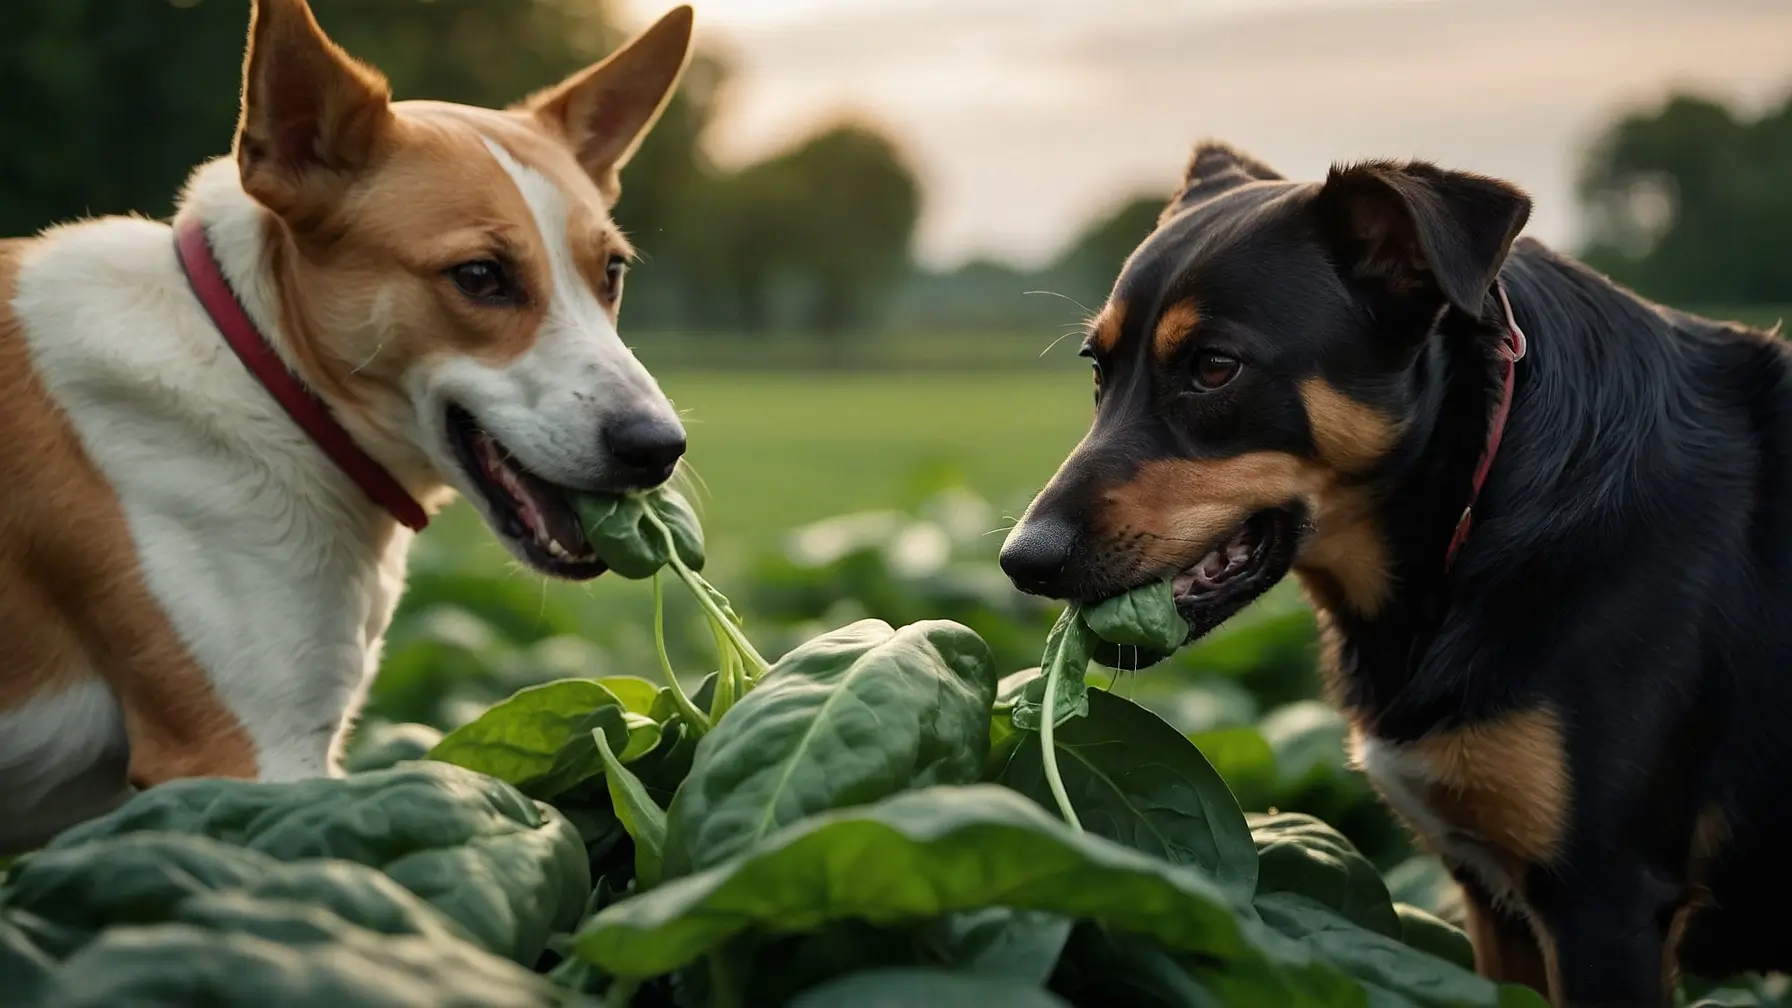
1420 230
1213 168
605 110
312 116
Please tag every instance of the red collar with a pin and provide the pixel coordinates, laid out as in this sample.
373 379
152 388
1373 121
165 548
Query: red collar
1511 351
303 405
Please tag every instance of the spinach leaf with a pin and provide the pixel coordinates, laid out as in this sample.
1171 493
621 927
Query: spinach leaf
906 988
522 740
1381 962
1299 854
247 952
997 942
1137 781
625 537
849 717
508 870
162 918
1116 970
1066 667
644 820
1144 617
378 746
916 855
1430 934
26 971
638 696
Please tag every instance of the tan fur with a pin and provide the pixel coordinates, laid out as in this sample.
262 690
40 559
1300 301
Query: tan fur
1174 326
438 200
1105 326
1506 948
1173 511
1350 438
1504 781
72 600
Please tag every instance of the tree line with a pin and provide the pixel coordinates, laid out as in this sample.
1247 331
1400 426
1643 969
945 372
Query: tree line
109 105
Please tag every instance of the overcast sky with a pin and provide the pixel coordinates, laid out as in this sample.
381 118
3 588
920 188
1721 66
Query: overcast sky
1026 117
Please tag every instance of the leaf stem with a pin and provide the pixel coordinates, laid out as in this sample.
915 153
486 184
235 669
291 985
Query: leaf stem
756 663
688 710
1048 716
728 685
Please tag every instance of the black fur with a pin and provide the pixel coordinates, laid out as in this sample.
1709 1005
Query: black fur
1631 563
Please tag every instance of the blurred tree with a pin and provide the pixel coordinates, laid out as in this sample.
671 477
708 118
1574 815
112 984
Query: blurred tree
814 238
989 295
1087 269
109 105
1691 203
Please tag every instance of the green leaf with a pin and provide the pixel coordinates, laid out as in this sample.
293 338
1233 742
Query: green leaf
508 870
849 717
1299 854
151 878
1136 781
519 741
1439 938
912 987
1424 882
250 952
382 745
916 855
636 694
26 972
624 538
1244 761
1308 740
643 736
1117 970
640 816
1144 617
1069 647
997 942
1376 959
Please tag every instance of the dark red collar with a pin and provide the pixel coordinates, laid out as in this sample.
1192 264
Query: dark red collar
303 405
1511 351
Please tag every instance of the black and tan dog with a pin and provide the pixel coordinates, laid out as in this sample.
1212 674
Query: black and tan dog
1577 699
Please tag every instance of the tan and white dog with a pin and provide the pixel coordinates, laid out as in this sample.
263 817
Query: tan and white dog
217 448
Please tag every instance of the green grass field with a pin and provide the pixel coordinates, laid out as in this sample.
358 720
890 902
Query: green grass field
774 451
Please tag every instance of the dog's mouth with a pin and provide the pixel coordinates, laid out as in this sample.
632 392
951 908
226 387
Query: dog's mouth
533 515
1229 577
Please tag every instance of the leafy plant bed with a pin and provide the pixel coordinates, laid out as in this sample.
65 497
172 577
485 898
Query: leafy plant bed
878 817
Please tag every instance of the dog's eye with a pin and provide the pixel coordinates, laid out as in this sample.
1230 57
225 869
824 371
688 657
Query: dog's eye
614 271
485 281
1213 370
1094 370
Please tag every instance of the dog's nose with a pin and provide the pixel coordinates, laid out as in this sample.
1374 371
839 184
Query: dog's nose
1035 554
646 445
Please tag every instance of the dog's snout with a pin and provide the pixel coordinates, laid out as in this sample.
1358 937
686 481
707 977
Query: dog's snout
1036 552
647 445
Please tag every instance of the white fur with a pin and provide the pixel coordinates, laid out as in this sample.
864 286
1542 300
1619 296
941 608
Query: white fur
550 404
276 570
53 738
1402 778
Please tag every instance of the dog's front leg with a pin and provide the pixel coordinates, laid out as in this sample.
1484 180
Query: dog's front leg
1506 948
1606 929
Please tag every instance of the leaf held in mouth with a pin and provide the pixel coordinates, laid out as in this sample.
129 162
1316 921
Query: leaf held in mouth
624 537
1144 617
